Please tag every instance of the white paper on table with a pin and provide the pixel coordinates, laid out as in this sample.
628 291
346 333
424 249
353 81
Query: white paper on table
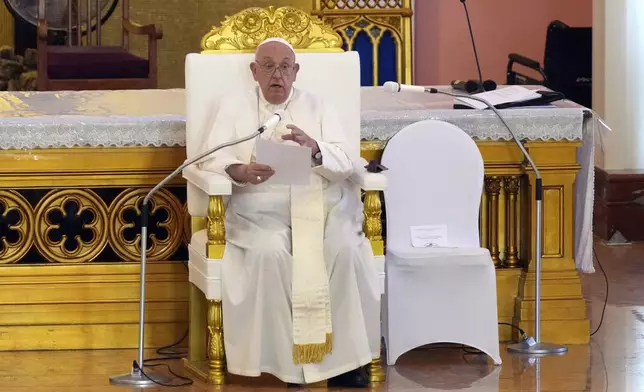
292 164
501 95
434 236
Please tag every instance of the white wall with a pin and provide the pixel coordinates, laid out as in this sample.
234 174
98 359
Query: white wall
618 84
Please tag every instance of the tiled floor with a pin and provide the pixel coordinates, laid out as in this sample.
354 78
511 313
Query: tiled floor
613 362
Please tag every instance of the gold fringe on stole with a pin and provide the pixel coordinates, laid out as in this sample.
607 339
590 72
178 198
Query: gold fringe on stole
312 353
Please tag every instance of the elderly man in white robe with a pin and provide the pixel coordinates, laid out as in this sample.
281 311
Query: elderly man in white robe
301 299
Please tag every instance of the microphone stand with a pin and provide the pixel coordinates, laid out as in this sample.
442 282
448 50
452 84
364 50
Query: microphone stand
531 346
137 377
476 54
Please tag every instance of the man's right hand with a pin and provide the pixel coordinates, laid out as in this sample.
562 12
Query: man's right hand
253 173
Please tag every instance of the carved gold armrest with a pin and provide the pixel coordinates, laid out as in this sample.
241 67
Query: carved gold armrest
371 184
216 187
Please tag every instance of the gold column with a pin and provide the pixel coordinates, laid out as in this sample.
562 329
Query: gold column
216 353
373 230
216 228
373 223
6 26
511 185
493 190
376 373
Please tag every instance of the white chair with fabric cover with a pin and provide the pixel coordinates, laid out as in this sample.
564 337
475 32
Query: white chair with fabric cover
336 78
436 294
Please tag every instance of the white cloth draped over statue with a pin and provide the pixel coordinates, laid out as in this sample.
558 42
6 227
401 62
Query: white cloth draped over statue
258 261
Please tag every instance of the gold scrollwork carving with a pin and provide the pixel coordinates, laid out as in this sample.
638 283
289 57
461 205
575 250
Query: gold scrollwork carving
216 227
216 350
62 211
245 30
372 145
512 228
17 235
372 226
166 213
493 190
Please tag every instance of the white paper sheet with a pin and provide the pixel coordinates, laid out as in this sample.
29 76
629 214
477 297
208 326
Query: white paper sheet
500 96
434 236
292 164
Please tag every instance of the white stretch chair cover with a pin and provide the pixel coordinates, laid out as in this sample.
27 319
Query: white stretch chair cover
434 295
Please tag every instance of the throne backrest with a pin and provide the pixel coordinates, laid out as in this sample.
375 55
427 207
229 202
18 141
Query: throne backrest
325 70
435 177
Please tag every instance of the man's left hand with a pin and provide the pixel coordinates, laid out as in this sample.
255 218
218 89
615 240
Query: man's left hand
300 137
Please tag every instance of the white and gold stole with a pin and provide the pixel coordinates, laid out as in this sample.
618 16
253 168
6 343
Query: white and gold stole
310 298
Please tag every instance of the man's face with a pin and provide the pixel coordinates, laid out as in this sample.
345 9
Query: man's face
275 70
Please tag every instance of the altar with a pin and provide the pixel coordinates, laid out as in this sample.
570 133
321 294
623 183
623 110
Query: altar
75 166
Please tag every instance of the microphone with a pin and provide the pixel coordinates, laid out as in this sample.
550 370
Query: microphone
273 121
472 86
489 85
395 87
529 345
135 377
482 85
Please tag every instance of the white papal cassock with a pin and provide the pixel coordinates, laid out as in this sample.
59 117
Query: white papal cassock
258 259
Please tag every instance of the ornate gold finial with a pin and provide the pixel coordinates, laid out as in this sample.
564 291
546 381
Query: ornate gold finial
245 30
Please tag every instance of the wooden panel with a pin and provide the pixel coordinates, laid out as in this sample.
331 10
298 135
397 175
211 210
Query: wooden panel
6 26
507 287
83 337
90 306
88 167
553 214
93 312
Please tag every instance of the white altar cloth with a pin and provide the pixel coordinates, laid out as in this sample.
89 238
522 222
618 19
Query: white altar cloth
130 118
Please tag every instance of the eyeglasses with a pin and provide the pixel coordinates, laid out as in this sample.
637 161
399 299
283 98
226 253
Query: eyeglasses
270 68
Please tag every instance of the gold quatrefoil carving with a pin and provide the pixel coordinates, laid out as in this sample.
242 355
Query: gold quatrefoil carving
16 226
71 226
165 225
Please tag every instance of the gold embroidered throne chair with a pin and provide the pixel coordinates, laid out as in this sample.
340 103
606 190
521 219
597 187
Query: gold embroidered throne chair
221 66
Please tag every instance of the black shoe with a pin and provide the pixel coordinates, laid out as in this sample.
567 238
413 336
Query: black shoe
357 378
291 385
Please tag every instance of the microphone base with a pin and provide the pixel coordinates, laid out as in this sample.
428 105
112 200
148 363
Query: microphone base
137 379
537 349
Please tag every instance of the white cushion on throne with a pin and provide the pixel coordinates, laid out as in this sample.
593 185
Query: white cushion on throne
334 77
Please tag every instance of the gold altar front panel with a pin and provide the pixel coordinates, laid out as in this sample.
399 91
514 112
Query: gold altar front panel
95 302
184 23
85 296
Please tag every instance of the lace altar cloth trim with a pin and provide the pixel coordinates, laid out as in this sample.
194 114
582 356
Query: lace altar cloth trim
130 118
